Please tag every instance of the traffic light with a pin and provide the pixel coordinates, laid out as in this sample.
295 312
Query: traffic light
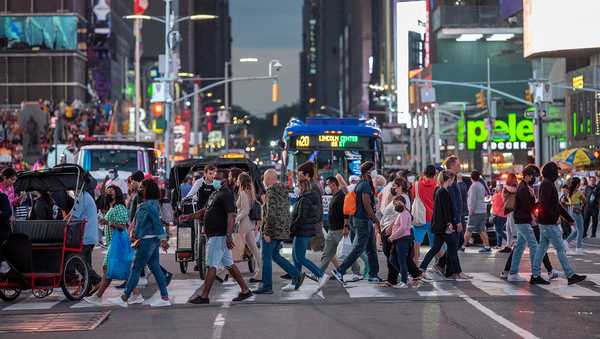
275 91
528 95
481 100
157 109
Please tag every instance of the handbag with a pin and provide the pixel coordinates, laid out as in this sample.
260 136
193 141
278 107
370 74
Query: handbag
344 248
120 256
255 213
418 210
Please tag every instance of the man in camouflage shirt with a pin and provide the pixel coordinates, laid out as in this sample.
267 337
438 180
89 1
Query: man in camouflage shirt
276 229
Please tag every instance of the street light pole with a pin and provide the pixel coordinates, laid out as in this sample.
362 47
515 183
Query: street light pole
226 97
489 105
138 84
167 86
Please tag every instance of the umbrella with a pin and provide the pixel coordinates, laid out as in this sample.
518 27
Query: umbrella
576 157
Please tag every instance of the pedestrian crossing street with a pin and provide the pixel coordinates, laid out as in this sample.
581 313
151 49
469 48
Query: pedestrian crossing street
481 286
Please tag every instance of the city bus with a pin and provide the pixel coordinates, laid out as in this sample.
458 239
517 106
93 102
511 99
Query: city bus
336 145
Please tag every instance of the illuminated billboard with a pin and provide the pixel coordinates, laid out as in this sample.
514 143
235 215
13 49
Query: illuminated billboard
552 28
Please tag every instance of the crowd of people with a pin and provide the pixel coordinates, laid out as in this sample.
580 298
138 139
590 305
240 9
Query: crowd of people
529 209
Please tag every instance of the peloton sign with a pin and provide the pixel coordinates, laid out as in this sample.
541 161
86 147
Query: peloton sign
508 134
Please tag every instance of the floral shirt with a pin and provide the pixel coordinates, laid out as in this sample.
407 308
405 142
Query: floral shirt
10 192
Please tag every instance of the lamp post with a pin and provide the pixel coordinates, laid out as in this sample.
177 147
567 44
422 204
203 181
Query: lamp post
169 21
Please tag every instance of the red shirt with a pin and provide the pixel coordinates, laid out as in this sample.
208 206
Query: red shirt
426 193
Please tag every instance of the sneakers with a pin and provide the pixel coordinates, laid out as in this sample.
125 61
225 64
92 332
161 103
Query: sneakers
355 277
485 250
242 296
199 300
312 277
322 281
538 281
516 278
298 281
425 277
263 291
375 280
576 278
118 301
338 276
578 251
161 303
289 287
135 299
504 275
94 300
463 276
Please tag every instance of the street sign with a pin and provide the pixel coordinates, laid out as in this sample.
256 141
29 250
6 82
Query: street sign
223 117
427 95
159 93
175 63
542 92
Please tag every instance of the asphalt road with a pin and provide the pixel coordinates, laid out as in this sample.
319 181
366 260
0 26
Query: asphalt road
485 307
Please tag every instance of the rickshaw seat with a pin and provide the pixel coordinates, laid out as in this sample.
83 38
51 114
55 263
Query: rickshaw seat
41 232
17 250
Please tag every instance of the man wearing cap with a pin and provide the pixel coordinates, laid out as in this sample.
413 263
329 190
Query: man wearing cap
364 220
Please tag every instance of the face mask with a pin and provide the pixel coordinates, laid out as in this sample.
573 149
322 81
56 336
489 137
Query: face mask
328 190
216 184
379 189
373 174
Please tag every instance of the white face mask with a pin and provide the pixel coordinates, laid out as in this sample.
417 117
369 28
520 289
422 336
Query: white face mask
328 190
373 174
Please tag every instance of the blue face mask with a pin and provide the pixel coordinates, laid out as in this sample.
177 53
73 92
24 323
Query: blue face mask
216 184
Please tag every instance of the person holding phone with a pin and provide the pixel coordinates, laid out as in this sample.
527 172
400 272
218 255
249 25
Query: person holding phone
443 228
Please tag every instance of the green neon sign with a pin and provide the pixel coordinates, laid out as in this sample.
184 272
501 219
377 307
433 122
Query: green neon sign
509 130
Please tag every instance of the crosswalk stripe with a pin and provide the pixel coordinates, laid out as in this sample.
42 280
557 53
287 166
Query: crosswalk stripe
33 303
363 289
441 288
231 290
180 291
595 278
495 286
305 292
111 292
560 288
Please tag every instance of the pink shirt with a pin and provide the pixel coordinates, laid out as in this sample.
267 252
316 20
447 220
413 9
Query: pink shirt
402 225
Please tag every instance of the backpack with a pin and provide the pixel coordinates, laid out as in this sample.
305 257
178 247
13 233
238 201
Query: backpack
350 204
418 210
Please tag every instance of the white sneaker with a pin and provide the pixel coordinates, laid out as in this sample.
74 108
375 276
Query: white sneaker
515 278
355 277
289 287
400 285
143 282
135 299
117 301
554 274
160 302
578 251
93 299
322 281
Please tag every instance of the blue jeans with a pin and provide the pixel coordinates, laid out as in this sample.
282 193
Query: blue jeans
365 240
500 226
399 258
271 251
551 234
578 233
363 256
299 254
147 254
525 236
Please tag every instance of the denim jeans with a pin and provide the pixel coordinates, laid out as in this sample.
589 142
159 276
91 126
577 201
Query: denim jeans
500 226
365 240
546 260
271 252
591 214
525 236
147 254
578 233
399 257
363 256
299 254
551 234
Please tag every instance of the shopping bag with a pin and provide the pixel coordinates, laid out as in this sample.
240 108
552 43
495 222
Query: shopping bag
120 256
344 248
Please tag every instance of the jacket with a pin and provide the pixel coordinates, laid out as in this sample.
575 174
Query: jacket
402 226
243 205
476 199
551 209
306 215
524 202
426 192
456 199
443 211
147 221
276 213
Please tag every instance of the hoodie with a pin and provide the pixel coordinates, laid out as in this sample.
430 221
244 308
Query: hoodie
426 193
306 215
551 209
276 213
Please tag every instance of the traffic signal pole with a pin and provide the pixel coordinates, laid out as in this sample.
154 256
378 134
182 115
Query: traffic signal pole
489 105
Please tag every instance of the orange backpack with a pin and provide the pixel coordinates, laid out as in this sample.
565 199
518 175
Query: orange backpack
350 204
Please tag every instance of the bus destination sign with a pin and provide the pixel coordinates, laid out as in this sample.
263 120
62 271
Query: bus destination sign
328 141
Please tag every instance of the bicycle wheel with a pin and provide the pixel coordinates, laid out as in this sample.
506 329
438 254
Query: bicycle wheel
75 281
9 294
183 266
201 256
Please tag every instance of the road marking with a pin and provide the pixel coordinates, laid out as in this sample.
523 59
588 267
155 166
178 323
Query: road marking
33 303
563 290
495 286
499 319
587 260
305 292
231 290
180 291
441 289
111 292
219 322
362 289
595 278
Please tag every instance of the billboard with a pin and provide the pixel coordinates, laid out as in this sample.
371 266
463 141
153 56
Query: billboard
552 28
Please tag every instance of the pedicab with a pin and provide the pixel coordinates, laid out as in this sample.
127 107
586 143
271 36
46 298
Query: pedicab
47 254
191 239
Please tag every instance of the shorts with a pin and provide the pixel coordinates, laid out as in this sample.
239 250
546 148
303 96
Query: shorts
420 231
217 253
477 223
